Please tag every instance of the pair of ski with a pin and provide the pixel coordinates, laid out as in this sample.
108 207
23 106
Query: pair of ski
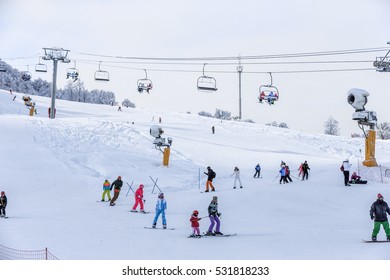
139 212
206 235
159 228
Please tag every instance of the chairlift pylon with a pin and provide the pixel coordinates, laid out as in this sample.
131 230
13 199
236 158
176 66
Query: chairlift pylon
382 64
144 84
26 75
73 72
101 75
268 93
40 67
206 83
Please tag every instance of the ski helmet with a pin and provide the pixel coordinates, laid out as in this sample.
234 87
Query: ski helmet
141 186
195 212
380 196
119 178
161 195
2 193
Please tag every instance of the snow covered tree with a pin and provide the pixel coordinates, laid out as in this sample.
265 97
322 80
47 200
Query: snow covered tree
331 127
205 114
384 130
127 103
223 115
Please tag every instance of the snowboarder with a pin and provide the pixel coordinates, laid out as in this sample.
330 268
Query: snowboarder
288 174
161 206
106 190
378 213
282 172
305 169
195 223
355 177
236 172
139 195
345 167
257 168
214 217
117 185
3 204
210 176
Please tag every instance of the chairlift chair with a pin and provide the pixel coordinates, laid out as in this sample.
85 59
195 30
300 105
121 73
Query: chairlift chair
40 67
382 64
268 93
144 84
72 73
26 75
206 83
101 75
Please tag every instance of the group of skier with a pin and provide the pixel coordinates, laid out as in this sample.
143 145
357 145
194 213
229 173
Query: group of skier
213 215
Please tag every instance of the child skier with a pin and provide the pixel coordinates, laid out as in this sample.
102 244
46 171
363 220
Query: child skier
195 223
378 213
282 172
161 206
236 172
139 195
3 204
106 190
214 217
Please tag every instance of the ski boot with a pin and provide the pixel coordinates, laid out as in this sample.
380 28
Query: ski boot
142 211
133 210
164 226
209 233
154 226
218 233
388 238
373 238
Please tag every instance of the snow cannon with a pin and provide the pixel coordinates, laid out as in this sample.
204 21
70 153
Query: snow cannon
357 98
156 131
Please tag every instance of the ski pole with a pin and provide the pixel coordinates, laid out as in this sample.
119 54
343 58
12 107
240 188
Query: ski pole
275 178
129 188
155 184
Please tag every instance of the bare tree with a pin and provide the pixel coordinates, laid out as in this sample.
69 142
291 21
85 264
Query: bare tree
384 130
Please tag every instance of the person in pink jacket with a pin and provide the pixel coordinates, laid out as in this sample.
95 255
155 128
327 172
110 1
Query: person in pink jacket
139 195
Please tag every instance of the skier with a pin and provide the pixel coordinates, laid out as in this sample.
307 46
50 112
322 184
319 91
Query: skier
117 184
305 169
355 178
139 195
3 204
213 129
345 167
106 190
161 206
210 176
288 174
300 169
236 172
195 223
282 172
378 213
257 168
214 217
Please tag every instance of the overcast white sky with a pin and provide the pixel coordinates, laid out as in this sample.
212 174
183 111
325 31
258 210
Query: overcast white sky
176 29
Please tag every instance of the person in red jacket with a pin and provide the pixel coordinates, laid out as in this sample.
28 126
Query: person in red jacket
139 195
195 223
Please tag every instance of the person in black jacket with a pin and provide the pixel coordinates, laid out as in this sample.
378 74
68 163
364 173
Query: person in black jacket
3 204
378 213
305 170
210 176
117 185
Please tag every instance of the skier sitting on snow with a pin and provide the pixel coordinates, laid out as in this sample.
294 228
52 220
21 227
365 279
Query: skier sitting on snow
355 177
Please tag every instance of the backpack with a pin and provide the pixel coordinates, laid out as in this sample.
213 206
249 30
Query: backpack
213 175
342 168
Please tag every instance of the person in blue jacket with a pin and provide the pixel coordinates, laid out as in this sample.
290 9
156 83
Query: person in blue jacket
161 206
282 172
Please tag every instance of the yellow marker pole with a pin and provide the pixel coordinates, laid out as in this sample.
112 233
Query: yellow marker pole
370 160
167 152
